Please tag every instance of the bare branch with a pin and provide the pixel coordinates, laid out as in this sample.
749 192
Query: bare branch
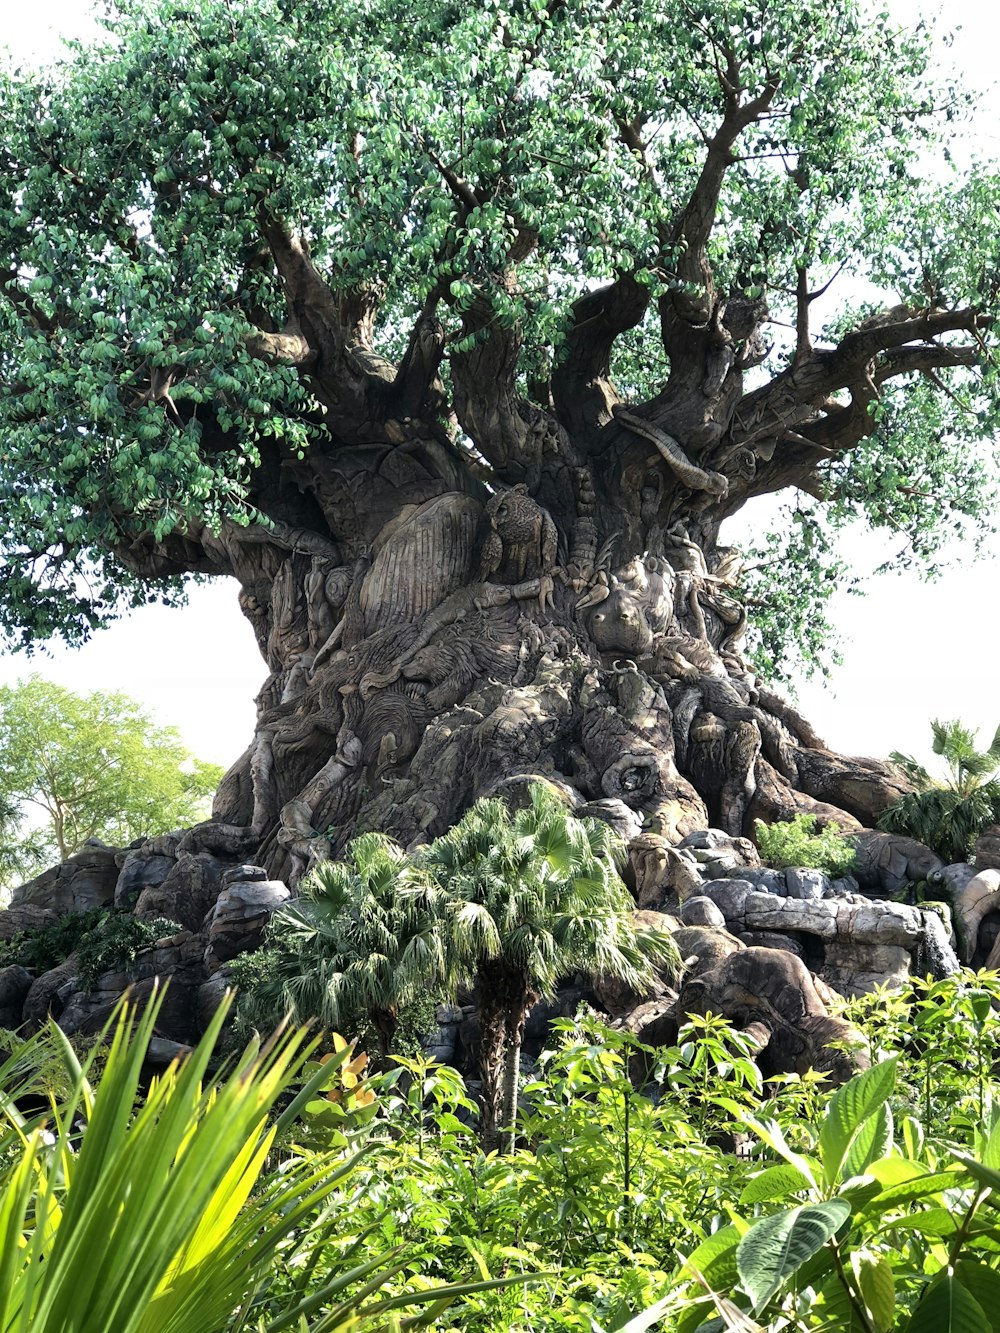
803 342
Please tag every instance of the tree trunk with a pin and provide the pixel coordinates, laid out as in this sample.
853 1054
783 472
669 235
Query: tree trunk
504 1001
428 637
492 1060
517 1015
385 1022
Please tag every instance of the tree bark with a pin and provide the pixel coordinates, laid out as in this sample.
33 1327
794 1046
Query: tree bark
437 618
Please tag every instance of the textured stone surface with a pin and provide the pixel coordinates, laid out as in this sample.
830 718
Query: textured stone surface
178 961
188 893
987 853
24 916
236 922
210 995
774 993
871 923
807 884
729 895
704 947
769 939
767 881
15 982
140 871
887 861
660 872
701 911
49 993
86 880
853 968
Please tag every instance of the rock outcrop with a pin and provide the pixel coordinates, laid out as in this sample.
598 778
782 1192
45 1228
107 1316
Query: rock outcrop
764 947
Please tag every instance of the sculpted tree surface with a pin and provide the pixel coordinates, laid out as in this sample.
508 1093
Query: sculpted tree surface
454 334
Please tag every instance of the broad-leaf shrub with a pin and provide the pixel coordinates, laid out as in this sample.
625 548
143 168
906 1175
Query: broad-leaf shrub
798 843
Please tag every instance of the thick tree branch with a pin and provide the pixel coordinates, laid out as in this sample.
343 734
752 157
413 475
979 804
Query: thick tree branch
417 387
335 353
798 419
287 348
693 226
881 348
581 385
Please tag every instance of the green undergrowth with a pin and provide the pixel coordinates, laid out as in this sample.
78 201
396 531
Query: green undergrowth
649 1187
102 941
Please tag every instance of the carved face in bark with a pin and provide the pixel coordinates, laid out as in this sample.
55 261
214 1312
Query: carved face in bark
619 625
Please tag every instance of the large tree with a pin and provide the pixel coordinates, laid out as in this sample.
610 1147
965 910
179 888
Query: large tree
454 333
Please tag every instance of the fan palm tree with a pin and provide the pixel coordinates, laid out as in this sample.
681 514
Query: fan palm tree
949 813
363 940
534 896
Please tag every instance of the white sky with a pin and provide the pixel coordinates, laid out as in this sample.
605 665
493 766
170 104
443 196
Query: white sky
912 651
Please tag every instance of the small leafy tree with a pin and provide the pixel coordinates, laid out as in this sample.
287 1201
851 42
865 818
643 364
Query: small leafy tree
797 843
949 813
364 940
536 896
96 766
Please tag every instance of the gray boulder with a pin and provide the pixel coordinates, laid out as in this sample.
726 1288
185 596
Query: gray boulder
701 911
237 920
15 982
84 881
807 884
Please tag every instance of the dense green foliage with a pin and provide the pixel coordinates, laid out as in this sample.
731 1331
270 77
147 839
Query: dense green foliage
102 942
192 1250
96 766
797 843
949 813
536 896
511 902
363 940
866 1209
861 1210
140 177
43 947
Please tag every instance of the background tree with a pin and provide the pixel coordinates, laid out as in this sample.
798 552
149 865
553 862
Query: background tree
96 766
949 813
535 898
454 334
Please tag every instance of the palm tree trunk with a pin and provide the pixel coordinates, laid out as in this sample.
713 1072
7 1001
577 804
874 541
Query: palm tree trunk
492 1064
385 1023
517 1016
504 1000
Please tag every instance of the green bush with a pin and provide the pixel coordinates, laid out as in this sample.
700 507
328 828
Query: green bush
44 947
103 942
948 813
797 843
257 976
112 946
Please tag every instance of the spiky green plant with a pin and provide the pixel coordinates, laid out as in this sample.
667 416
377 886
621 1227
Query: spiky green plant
535 896
160 1219
363 940
949 813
